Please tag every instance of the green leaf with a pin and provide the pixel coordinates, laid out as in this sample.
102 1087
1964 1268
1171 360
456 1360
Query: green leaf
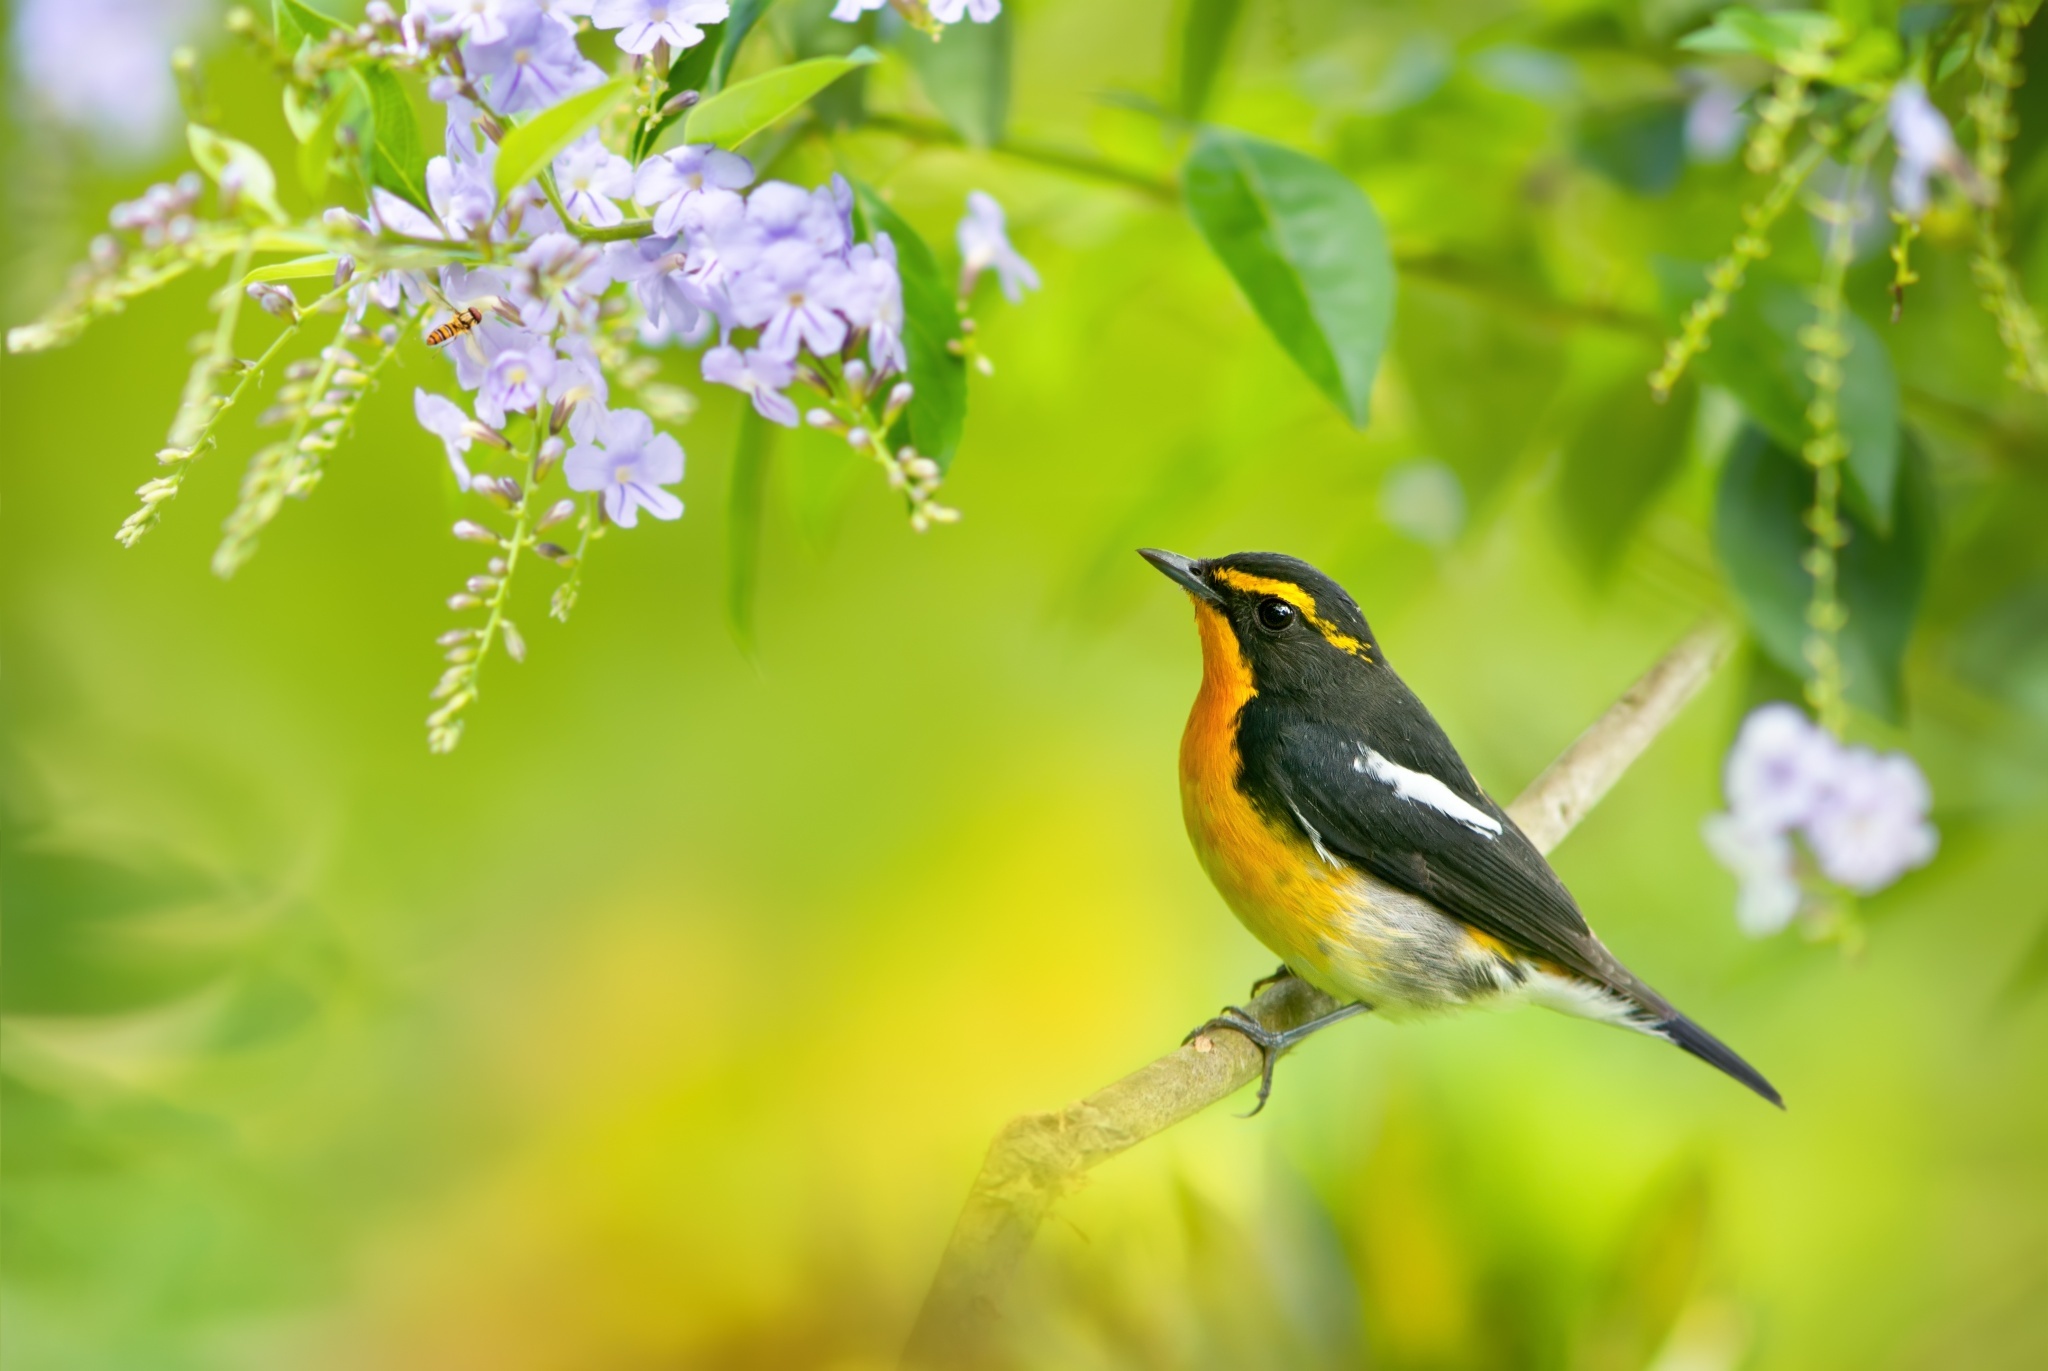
1639 146
1741 30
1206 30
738 112
1617 462
397 159
745 14
1307 249
298 269
237 165
938 375
316 152
297 117
745 503
294 20
1760 535
1755 352
1481 378
530 148
966 74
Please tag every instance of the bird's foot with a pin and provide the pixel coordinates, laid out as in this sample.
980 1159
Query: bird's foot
1283 973
1270 1042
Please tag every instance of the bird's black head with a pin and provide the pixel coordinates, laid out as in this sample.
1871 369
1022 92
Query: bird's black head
1294 627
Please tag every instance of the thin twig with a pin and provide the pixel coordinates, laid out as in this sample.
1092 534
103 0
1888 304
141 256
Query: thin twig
1036 1158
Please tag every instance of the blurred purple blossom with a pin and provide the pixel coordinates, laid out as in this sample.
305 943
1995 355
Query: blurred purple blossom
629 462
1862 815
758 374
444 419
1925 145
787 293
980 11
105 65
984 244
534 65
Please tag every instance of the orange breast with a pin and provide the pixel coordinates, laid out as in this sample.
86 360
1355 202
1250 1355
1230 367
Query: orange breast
1275 881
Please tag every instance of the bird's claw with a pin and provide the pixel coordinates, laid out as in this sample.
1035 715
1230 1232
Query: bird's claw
1269 1043
1283 973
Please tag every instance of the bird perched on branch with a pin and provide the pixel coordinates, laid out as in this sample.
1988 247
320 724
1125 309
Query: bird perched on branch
1342 827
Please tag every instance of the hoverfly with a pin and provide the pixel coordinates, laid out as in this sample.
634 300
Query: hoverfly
463 322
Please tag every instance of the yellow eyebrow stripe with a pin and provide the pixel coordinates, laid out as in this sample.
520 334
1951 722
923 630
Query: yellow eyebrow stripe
1300 599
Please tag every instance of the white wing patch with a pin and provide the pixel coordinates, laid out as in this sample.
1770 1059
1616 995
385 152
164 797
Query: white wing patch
1419 787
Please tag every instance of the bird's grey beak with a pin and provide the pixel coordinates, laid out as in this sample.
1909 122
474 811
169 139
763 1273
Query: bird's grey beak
1181 571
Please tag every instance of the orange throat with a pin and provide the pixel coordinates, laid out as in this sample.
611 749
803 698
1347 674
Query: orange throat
1271 878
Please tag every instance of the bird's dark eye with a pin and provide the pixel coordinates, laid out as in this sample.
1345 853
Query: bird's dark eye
1275 615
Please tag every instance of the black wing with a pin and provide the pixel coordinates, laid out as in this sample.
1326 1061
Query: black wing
1323 776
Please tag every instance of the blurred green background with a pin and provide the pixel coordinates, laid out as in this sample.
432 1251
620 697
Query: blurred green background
664 1024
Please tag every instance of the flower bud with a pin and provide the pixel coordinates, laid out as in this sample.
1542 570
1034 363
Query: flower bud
480 585
302 370
481 433
496 566
923 468
822 418
454 636
554 552
459 603
679 102
470 531
275 299
857 437
341 221
559 511
899 396
241 21
515 644
380 14
551 450
856 374
344 270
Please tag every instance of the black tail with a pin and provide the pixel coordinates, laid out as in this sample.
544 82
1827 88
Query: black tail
1715 1053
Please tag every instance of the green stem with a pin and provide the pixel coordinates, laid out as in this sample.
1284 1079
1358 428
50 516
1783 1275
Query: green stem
1026 150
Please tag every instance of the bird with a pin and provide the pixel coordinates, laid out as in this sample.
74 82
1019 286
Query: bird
1343 829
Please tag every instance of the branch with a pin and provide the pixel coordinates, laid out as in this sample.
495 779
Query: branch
1038 1157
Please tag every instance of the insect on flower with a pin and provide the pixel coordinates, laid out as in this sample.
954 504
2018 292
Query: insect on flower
463 322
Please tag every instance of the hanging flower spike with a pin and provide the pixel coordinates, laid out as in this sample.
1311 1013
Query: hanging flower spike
629 462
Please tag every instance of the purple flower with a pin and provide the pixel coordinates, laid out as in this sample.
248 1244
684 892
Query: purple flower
579 381
1925 145
591 177
1767 889
779 211
1780 767
787 294
643 23
985 242
516 380
653 267
481 21
870 295
444 419
981 11
533 66
1872 827
627 460
675 181
759 374
558 278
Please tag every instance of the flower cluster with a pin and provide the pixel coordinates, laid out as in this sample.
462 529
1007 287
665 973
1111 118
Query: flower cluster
548 295
1862 815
